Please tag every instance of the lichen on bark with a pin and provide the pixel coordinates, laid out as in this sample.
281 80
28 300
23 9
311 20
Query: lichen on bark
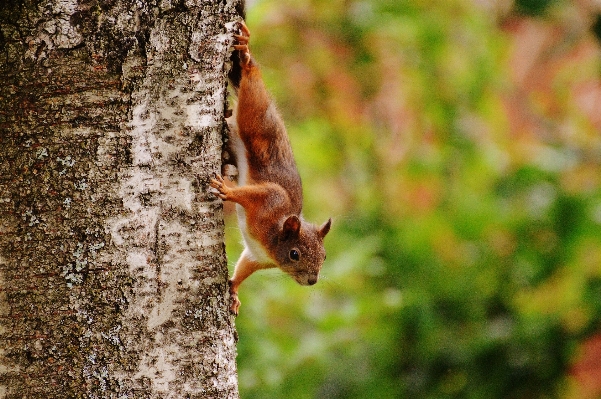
113 277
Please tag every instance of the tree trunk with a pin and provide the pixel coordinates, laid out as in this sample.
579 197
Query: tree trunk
113 276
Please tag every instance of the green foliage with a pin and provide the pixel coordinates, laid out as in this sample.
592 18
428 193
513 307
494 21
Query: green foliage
465 255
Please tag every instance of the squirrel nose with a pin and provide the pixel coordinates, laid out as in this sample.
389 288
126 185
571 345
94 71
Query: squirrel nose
311 280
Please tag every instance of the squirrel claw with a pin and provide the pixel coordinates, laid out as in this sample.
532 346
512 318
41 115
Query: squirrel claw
244 54
218 183
235 302
241 39
244 29
242 44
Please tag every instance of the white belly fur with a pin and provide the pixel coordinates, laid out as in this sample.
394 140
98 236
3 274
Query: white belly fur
256 250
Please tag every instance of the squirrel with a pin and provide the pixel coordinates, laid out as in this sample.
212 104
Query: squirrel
269 193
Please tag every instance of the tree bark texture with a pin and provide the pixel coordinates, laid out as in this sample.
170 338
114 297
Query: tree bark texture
113 276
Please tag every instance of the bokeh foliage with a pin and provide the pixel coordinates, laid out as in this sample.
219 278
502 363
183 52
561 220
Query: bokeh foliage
465 255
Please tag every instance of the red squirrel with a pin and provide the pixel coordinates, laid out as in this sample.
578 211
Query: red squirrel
269 193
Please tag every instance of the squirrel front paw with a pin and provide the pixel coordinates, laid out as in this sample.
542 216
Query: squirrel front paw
222 189
234 301
242 45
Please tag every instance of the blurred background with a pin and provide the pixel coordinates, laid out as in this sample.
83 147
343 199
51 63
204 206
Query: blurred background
457 146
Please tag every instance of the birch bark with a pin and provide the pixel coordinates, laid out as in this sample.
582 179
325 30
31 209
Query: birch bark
113 276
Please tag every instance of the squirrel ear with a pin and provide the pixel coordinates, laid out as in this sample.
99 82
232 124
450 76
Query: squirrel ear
291 227
325 228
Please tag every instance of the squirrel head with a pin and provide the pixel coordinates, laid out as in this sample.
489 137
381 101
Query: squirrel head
300 251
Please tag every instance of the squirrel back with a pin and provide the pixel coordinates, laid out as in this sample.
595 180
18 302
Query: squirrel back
265 149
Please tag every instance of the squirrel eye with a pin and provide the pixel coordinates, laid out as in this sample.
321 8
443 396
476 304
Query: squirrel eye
294 255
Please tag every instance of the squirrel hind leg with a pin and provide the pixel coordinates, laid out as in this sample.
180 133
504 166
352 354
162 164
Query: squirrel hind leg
240 58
